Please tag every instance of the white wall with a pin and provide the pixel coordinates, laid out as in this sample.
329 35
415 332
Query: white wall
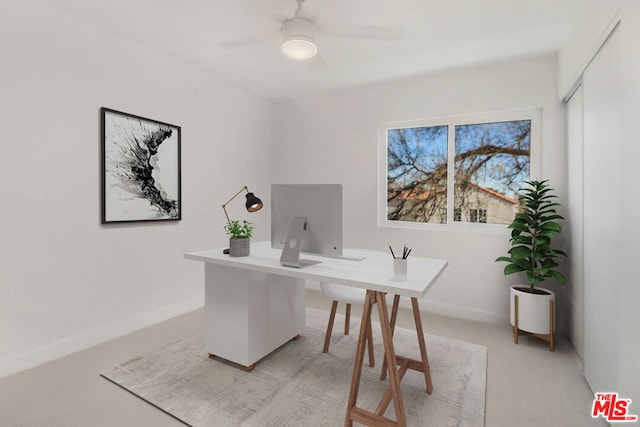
611 128
334 138
66 282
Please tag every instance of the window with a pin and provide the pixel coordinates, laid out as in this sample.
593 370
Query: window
417 174
456 170
478 215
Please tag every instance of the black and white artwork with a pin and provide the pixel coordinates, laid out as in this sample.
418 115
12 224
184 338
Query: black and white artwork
141 169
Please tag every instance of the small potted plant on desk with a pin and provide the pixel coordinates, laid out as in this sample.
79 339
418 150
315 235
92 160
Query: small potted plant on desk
239 237
532 231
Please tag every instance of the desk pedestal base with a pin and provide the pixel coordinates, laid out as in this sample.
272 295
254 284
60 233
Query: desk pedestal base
377 418
249 314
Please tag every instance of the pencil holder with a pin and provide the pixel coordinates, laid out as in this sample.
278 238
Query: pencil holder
400 269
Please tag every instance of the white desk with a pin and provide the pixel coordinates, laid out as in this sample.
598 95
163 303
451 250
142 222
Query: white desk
253 305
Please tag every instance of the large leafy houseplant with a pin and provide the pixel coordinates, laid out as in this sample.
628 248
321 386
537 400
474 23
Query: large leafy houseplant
532 232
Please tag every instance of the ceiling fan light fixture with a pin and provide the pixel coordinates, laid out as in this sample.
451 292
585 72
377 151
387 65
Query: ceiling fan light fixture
298 47
299 38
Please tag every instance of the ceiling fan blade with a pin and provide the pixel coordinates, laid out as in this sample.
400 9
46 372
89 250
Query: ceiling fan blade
278 17
314 9
249 40
317 61
360 32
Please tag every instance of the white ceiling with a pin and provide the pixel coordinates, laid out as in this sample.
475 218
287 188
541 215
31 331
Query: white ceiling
440 34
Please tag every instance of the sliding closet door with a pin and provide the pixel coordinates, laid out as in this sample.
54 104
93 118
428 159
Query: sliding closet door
603 201
575 221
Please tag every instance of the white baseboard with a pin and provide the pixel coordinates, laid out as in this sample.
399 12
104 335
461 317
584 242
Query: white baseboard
443 309
466 313
23 361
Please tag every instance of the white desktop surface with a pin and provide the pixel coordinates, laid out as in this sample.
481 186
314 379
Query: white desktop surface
374 272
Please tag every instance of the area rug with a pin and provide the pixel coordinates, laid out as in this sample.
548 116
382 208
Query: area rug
298 385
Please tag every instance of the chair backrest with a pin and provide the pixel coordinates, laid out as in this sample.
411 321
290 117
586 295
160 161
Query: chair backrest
342 293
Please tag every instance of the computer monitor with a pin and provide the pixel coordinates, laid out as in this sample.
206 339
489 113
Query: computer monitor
306 218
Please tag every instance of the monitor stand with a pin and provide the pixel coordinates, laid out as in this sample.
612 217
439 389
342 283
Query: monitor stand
291 252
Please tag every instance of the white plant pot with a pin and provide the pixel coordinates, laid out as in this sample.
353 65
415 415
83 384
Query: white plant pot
533 310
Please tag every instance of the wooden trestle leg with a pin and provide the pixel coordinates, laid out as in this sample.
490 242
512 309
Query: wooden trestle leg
387 326
369 300
423 348
394 314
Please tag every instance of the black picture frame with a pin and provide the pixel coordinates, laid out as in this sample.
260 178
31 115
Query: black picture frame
141 169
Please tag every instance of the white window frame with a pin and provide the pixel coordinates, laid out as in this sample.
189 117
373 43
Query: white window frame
535 156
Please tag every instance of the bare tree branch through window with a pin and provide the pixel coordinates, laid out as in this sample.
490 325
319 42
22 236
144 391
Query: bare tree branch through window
490 163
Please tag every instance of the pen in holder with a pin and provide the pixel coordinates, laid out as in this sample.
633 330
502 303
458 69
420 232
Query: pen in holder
400 269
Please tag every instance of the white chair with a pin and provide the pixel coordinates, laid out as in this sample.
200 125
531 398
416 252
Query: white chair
347 295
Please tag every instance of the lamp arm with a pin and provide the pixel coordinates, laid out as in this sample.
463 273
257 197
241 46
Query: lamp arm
224 206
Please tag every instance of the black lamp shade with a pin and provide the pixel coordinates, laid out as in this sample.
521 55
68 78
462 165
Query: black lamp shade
253 203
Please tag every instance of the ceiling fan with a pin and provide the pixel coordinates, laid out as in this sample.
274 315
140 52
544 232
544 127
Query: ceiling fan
299 34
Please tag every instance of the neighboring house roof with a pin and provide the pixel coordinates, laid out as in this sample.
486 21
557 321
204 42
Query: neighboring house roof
414 194
495 193
423 195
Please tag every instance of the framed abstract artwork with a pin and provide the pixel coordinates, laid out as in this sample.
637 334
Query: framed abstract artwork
140 169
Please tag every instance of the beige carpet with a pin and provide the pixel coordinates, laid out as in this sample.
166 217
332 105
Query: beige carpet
298 385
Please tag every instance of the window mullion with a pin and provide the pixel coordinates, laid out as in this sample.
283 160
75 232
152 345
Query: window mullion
450 172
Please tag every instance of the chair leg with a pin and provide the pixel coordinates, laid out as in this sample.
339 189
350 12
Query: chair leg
369 331
347 316
332 316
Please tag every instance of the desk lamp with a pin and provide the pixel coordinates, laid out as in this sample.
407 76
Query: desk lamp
252 204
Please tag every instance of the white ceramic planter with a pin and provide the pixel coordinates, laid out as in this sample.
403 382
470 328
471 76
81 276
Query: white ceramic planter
533 310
